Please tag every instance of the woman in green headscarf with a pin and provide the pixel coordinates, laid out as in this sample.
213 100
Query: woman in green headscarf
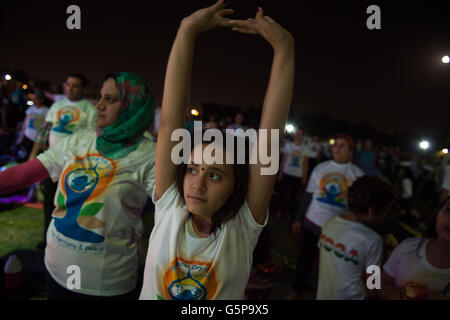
105 177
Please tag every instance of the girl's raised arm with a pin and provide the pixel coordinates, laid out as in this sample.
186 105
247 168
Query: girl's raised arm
276 102
177 87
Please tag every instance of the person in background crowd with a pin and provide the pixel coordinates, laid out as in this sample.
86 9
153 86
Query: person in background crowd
349 245
366 158
315 153
66 116
238 122
293 174
419 268
35 118
325 197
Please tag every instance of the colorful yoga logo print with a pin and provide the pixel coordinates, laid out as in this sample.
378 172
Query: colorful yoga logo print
339 249
31 122
189 280
80 184
333 190
295 159
66 119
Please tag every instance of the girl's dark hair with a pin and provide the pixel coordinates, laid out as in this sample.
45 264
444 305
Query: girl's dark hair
370 192
241 176
430 231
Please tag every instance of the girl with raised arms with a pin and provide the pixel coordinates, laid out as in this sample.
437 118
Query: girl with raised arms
208 216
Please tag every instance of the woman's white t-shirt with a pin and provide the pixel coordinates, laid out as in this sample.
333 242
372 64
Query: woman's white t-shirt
183 266
329 182
97 223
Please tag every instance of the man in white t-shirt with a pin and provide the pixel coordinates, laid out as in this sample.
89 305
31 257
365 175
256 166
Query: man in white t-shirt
293 174
325 197
65 117
348 245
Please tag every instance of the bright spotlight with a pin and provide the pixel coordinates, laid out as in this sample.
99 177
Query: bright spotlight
194 112
331 142
445 59
289 128
30 103
7 77
445 150
424 145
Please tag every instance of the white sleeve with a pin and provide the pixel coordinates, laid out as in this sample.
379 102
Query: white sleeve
169 200
149 178
55 158
375 254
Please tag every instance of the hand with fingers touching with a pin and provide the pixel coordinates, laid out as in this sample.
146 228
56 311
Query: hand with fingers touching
207 18
265 26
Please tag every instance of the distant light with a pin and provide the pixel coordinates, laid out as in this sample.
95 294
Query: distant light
445 150
30 103
331 141
424 145
24 87
289 128
194 112
445 59
7 77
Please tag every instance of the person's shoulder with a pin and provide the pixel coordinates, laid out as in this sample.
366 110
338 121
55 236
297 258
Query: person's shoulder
83 134
59 103
88 104
323 165
357 170
147 144
410 245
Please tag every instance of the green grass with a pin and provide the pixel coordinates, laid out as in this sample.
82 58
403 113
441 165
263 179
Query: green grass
20 228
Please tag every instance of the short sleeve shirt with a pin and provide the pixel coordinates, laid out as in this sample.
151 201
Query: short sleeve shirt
97 223
328 184
181 265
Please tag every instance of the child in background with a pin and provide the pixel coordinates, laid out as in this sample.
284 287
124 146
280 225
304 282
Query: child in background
348 245
34 119
419 268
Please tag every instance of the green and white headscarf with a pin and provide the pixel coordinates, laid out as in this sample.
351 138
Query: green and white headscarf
137 110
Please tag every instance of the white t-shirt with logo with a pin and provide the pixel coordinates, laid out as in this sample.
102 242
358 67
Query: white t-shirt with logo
295 157
347 248
35 121
97 223
68 117
412 271
181 265
329 183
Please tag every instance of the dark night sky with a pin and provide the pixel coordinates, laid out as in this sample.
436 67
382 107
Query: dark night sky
392 78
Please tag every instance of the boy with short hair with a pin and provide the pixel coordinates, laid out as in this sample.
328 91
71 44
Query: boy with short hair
348 245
